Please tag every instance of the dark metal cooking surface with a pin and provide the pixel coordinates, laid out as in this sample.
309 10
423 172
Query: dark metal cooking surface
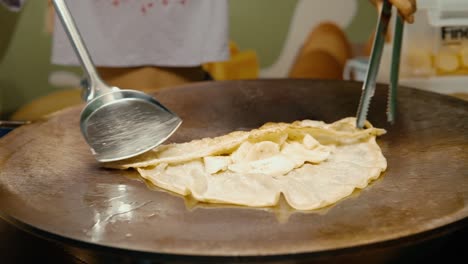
50 181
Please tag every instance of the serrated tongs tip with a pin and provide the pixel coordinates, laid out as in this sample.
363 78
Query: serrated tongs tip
374 63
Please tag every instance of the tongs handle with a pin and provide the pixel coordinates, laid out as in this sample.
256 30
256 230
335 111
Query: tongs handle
395 69
368 88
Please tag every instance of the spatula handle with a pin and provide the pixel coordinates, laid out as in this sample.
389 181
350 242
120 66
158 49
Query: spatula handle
95 85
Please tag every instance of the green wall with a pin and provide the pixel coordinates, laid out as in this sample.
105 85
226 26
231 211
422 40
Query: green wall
25 67
263 29
363 23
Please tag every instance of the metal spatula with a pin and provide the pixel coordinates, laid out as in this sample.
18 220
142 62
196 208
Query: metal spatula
117 124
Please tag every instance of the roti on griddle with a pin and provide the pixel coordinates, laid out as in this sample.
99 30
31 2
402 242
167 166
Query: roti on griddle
312 163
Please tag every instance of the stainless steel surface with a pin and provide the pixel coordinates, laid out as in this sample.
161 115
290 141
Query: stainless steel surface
395 69
117 124
368 88
51 184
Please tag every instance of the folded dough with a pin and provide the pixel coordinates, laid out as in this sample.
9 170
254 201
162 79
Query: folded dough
313 164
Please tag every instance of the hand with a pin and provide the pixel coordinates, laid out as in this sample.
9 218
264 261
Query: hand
406 8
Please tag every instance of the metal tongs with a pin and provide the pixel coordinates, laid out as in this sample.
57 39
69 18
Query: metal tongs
368 88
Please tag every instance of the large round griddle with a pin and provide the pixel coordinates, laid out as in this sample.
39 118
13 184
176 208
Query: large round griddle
51 184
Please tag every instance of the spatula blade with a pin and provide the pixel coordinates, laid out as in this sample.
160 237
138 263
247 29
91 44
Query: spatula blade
128 127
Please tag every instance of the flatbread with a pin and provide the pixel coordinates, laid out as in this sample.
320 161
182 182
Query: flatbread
312 163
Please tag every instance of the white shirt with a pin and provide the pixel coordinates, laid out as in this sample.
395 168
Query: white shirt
126 33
